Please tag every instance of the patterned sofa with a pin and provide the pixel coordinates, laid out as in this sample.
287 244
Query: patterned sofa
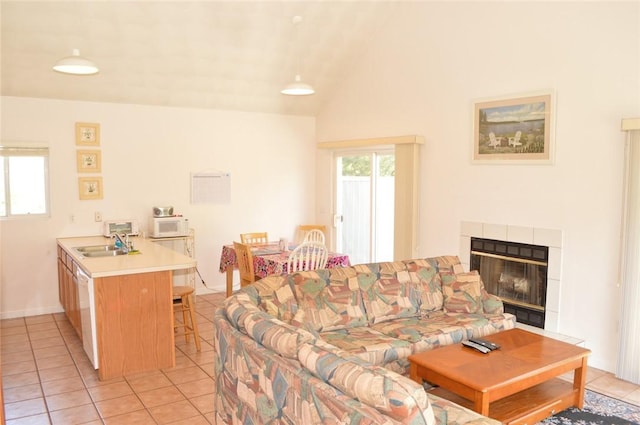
331 346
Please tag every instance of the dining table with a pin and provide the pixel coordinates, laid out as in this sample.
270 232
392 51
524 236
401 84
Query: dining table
269 260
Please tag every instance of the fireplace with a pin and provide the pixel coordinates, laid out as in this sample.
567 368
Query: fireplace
515 272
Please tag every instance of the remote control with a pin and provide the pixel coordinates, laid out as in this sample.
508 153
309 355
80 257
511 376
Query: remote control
475 346
490 345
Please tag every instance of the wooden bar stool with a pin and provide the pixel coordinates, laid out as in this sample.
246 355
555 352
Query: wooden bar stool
183 302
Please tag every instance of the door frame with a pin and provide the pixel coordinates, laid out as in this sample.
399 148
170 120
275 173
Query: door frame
407 151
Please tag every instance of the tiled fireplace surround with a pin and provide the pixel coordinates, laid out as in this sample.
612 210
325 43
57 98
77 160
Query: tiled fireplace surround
529 235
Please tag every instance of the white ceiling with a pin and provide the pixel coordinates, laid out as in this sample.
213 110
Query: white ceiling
204 54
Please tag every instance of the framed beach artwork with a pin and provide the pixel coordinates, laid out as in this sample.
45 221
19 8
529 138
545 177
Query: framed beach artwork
90 187
514 130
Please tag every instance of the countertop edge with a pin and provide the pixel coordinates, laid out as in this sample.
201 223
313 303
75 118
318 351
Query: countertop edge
153 257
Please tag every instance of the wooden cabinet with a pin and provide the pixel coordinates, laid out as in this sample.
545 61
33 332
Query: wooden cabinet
62 296
134 323
68 290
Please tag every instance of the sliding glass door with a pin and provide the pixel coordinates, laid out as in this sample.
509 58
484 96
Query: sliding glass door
364 217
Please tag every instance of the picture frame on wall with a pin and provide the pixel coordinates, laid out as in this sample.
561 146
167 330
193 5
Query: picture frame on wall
90 188
87 134
514 130
89 161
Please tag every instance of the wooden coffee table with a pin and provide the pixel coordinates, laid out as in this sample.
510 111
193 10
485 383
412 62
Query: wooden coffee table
516 384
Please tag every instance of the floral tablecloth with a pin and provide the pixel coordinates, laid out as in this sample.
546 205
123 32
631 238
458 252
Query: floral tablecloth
269 260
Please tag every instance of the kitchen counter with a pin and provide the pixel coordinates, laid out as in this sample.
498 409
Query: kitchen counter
152 257
123 308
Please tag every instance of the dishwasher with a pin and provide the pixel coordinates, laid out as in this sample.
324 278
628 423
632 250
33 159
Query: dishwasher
87 316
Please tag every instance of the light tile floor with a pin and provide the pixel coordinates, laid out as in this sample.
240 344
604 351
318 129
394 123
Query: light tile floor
47 378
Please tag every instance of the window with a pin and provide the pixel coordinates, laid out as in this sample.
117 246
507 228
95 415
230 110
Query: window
24 181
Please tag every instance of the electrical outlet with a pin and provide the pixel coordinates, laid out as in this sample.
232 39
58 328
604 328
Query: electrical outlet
97 216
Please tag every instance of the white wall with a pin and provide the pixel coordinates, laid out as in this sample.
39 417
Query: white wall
430 63
148 154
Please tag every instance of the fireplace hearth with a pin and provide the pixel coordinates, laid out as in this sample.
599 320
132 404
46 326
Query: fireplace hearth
515 272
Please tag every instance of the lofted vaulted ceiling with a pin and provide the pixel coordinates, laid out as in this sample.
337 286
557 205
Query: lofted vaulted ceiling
233 55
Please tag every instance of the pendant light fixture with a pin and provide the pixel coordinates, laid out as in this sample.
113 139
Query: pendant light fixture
297 88
76 64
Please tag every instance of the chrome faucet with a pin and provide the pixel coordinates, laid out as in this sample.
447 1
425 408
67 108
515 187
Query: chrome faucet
124 243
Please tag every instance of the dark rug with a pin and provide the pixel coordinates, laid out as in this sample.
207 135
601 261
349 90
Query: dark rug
598 410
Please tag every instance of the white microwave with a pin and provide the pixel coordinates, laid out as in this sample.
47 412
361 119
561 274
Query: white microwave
167 227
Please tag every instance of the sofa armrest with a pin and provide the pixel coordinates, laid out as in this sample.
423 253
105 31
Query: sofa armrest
256 385
491 304
265 329
392 394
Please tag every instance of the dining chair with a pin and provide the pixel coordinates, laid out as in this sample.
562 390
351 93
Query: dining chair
314 235
254 238
307 256
245 263
303 229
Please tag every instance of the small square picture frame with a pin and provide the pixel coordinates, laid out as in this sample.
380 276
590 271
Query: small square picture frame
89 161
87 134
90 188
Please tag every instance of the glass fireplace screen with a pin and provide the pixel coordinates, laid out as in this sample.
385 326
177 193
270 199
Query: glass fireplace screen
515 272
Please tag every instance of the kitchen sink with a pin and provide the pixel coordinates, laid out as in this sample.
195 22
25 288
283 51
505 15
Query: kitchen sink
100 251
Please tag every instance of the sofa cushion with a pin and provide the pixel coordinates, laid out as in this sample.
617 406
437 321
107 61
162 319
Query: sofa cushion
393 394
462 292
448 263
328 299
368 344
425 334
424 275
387 291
